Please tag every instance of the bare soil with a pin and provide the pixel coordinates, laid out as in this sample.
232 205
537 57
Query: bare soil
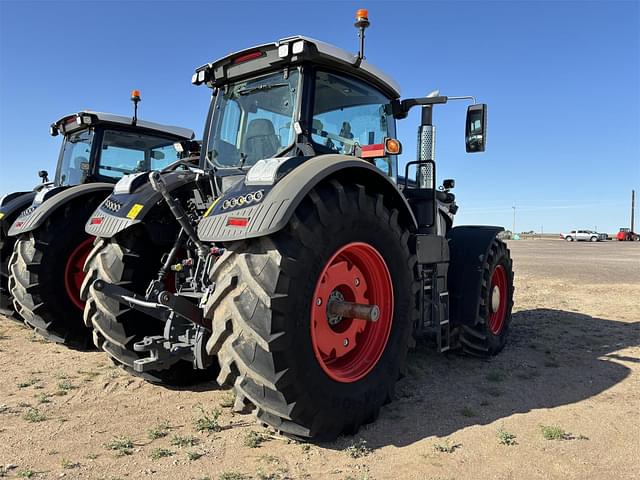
572 362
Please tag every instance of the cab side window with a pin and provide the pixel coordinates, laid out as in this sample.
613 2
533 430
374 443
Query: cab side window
348 113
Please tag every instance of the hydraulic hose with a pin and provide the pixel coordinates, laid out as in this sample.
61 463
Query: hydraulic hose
159 185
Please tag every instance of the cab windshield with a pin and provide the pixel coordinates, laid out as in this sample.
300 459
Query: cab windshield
126 152
253 120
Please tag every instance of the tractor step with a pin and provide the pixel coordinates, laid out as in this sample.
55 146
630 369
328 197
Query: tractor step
435 306
443 328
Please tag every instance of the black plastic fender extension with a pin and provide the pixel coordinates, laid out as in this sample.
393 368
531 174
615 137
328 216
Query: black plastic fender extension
14 203
122 210
32 218
230 220
468 247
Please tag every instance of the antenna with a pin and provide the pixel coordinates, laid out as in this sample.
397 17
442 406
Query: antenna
362 22
135 98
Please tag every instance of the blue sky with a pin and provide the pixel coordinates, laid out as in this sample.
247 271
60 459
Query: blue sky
561 80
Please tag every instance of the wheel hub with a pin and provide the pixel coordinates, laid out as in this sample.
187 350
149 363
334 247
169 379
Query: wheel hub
74 273
351 312
495 298
498 300
334 318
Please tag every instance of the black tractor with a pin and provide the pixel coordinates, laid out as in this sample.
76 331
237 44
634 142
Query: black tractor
317 265
49 243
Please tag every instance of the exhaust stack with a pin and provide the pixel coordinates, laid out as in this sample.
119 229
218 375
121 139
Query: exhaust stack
426 145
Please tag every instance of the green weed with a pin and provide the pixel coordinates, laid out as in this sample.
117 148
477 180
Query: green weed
34 415
358 449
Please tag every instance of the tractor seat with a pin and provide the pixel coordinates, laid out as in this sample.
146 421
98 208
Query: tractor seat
261 140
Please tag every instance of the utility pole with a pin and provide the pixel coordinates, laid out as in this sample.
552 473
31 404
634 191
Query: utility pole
514 220
633 209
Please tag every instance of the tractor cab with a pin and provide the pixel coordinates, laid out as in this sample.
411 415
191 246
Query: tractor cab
297 96
104 147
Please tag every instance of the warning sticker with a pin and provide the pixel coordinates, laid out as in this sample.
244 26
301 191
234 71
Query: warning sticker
135 210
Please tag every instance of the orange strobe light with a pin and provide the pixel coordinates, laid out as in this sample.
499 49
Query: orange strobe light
362 14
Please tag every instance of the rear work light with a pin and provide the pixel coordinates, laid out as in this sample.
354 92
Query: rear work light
237 222
248 56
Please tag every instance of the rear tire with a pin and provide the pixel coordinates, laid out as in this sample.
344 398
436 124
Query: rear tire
43 268
265 324
6 249
488 335
131 261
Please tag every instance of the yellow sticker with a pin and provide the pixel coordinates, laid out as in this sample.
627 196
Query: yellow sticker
206 214
135 210
1 215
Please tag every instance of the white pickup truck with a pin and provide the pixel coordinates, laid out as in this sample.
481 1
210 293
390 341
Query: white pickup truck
584 235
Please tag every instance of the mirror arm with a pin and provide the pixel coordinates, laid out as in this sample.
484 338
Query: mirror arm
400 108
466 97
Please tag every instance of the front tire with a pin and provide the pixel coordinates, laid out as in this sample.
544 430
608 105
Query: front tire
269 310
594 239
488 334
569 239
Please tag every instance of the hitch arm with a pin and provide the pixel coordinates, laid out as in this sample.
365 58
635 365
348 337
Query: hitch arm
133 300
183 307
167 303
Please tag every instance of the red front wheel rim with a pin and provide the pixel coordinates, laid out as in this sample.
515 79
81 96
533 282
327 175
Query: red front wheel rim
347 349
73 271
498 300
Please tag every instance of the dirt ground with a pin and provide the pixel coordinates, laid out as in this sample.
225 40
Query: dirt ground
570 372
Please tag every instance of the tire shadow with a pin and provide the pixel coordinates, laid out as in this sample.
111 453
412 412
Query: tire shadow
552 358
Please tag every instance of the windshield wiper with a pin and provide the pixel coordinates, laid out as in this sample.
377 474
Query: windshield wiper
264 86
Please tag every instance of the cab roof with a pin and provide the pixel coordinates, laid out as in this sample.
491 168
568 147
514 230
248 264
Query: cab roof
110 118
291 51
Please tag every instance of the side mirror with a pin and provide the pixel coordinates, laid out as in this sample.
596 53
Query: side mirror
448 184
44 175
475 134
157 155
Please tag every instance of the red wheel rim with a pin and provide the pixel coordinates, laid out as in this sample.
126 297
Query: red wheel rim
498 300
349 349
73 273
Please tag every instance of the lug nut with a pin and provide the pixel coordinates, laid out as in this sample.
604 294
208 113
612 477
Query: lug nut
357 282
318 301
345 342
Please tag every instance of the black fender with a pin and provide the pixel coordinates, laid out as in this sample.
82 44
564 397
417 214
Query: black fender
11 205
40 210
125 208
468 247
278 202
